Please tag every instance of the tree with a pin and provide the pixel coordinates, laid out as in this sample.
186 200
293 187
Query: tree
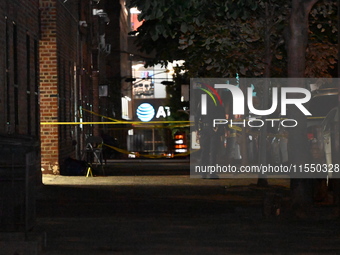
297 37
245 37
296 43
237 37
221 43
321 53
242 37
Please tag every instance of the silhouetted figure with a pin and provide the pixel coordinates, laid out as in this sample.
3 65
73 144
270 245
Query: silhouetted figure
210 136
108 152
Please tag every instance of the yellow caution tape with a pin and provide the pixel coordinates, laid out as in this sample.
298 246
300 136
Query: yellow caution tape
99 115
114 123
117 149
316 117
138 122
235 128
232 135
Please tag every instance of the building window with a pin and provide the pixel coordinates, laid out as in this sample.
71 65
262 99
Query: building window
15 73
134 22
16 106
8 91
62 97
28 84
36 88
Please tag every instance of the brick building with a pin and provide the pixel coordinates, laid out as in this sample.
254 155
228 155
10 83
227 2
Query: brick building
55 56
80 50
58 56
118 63
19 111
62 51
19 25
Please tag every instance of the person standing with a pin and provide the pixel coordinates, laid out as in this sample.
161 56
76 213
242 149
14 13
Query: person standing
210 135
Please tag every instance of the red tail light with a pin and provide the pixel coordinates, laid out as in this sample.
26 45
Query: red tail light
179 136
310 136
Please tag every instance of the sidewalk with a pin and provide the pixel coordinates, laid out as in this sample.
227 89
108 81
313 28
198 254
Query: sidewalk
176 180
170 214
173 215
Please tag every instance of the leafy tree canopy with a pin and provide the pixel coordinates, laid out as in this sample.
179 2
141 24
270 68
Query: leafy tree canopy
222 38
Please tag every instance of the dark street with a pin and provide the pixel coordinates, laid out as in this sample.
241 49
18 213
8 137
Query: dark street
173 214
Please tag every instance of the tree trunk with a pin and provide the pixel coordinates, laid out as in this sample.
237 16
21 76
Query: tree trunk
297 37
268 56
244 140
296 40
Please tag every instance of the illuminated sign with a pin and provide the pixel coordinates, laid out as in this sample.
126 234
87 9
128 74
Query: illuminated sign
146 112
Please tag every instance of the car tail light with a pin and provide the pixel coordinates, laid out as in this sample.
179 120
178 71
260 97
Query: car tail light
180 146
310 136
179 136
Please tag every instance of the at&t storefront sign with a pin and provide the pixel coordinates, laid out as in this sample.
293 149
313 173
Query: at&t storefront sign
147 111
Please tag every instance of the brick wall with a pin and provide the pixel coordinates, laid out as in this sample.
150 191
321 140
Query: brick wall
58 57
19 113
67 45
44 49
67 79
49 86
19 26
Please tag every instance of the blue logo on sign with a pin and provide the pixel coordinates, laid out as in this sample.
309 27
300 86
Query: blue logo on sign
145 112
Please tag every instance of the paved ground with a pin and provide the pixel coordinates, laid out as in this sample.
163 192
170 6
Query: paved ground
174 214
